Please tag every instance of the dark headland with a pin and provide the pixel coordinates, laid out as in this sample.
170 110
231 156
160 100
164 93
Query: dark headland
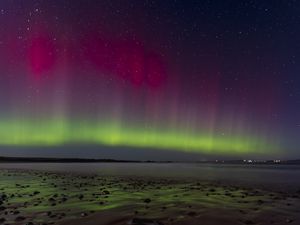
5 159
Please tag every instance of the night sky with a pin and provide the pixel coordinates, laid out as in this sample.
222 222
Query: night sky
150 79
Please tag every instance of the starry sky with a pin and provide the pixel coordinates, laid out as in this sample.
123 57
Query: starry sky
150 79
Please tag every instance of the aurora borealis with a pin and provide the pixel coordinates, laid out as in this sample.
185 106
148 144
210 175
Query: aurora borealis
209 77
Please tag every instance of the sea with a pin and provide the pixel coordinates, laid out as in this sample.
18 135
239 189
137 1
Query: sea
271 177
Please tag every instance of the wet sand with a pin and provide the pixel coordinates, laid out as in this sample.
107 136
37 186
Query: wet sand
38 197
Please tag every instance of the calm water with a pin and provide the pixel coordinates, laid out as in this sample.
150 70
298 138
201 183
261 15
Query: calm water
267 176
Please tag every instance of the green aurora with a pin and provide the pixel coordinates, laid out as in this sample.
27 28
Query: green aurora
60 132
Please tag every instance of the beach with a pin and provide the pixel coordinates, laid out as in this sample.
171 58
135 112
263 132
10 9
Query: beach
67 198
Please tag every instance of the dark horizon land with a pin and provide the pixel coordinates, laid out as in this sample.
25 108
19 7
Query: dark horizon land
149 112
11 159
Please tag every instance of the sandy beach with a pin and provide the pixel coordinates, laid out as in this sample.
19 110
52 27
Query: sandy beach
38 197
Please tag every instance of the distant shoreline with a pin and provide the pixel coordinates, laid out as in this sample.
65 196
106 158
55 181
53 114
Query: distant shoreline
4 159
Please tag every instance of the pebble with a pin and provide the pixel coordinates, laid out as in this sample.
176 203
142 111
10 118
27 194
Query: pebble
141 221
20 218
147 200
192 213
83 214
29 223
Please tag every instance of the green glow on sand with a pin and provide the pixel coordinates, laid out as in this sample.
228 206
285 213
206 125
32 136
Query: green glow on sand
61 132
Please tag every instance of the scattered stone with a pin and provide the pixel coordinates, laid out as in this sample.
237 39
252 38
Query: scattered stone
147 200
192 213
3 197
52 216
81 196
20 218
140 221
106 192
242 211
260 202
14 212
51 200
29 223
83 214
